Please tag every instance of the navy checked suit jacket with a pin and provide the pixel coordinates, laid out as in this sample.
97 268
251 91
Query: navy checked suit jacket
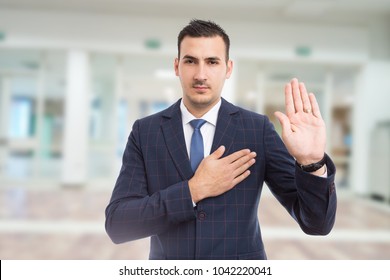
151 195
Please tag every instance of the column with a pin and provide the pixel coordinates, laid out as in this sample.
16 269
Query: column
229 88
371 107
260 96
4 120
40 112
327 108
118 122
76 125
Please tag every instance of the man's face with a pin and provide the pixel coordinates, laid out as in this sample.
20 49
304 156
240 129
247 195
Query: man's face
202 69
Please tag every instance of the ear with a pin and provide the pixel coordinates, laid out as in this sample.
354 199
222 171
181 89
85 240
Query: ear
229 69
176 66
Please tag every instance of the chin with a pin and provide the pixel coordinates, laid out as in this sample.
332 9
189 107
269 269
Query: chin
201 100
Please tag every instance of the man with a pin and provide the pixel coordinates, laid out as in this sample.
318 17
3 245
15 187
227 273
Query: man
210 211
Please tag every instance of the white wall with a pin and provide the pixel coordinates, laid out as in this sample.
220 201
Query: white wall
372 105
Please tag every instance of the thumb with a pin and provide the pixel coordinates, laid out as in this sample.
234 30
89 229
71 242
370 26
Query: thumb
284 121
218 152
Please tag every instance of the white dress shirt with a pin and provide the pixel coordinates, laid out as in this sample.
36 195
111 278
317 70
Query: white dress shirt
207 130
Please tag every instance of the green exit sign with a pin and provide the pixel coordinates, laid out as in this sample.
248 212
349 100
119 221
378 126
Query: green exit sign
152 43
303 51
2 36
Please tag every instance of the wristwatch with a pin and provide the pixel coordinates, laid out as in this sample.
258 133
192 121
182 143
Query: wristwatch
313 166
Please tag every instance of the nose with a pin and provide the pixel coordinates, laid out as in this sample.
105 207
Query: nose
200 73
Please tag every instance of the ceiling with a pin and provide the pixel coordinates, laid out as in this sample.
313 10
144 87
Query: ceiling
325 11
331 11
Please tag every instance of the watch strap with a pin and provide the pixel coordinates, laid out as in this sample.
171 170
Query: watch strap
313 166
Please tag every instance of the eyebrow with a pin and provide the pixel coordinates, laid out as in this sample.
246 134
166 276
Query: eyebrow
189 57
213 58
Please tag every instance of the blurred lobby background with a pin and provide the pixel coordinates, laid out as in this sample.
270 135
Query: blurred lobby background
75 75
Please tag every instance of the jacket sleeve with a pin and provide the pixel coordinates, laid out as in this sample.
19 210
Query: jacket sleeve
310 200
133 213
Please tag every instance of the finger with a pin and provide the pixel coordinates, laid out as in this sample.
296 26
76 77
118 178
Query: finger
296 95
288 99
242 161
243 167
240 178
284 121
314 106
218 152
305 98
235 156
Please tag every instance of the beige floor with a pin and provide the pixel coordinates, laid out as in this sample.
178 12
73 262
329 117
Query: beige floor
69 224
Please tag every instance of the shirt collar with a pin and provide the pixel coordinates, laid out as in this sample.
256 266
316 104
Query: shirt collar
211 116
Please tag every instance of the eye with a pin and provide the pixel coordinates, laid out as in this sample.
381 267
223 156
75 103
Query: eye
188 61
213 62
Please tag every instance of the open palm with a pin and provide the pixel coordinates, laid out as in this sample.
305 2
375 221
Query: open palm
303 129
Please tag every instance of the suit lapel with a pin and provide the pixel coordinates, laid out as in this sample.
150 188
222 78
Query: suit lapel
227 124
172 128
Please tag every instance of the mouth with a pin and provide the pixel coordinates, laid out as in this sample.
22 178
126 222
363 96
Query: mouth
200 88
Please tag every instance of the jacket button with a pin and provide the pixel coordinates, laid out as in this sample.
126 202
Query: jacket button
202 215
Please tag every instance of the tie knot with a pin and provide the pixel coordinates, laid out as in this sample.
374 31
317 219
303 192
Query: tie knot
197 123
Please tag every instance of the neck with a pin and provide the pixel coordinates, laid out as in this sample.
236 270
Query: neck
199 110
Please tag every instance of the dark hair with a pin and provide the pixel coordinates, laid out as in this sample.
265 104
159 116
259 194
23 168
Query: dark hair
200 28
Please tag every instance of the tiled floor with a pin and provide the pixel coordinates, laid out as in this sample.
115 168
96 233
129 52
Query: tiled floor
69 224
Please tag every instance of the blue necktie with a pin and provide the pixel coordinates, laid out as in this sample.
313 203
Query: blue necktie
197 150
